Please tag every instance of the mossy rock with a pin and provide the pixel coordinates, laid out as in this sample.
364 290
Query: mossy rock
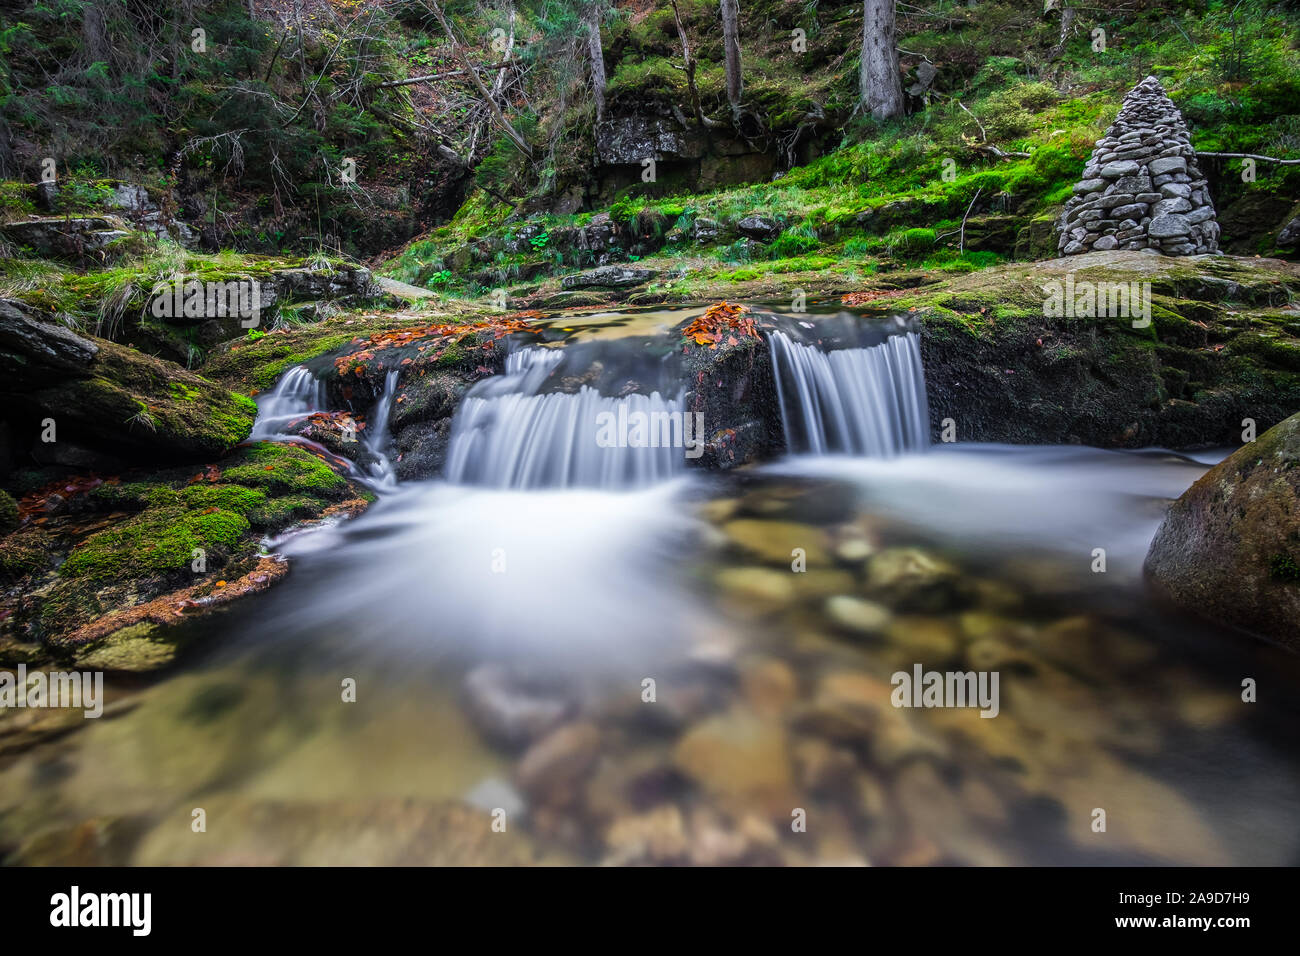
8 512
284 469
25 552
69 605
156 541
134 649
1229 548
121 401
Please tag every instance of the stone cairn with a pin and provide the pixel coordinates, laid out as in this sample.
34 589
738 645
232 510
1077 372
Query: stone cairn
1142 188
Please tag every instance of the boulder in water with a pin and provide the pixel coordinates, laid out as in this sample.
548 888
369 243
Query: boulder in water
1229 548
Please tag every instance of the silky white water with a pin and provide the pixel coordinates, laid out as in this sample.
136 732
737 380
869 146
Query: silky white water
509 434
858 401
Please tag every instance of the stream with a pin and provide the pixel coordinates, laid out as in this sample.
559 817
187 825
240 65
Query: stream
694 693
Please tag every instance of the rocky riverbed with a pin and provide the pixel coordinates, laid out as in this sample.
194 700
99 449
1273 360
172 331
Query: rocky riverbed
523 693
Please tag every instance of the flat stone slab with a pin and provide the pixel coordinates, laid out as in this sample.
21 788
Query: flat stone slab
608 277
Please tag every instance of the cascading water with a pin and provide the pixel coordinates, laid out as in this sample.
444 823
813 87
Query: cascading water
299 394
859 401
509 434
375 435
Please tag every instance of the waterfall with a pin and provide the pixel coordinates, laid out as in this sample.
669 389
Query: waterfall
859 401
298 394
509 434
375 435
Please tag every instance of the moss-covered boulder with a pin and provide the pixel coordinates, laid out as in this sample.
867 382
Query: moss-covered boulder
1229 548
1220 344
144 554
91 394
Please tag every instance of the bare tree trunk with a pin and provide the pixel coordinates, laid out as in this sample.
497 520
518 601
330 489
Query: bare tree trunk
499 83
690 72
731 47
881 86
1067 26
597 59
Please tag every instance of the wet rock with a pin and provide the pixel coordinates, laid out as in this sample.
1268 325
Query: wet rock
769 686
757 589
858 615
493 794
655 837
846 706
99 841
817 583
608 277
1229 548
742 759
823 766
914 580
854 548
776 541
508 710
376 832
552 768
937 813
131 649
927 640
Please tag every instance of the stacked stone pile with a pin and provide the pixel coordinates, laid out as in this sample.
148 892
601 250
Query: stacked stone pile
1142 188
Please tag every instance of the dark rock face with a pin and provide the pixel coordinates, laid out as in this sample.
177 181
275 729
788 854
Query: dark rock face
82 240
630 140
1142 187
1290 233
696 158
734 388
1229 548
758 227
145 215
35 352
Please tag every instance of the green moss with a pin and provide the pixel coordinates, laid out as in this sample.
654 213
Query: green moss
285 469
276 513
69 605
157 541
235 498
8 512
25 552
1283 567
133 496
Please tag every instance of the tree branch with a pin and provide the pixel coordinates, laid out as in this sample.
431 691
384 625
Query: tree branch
1254 156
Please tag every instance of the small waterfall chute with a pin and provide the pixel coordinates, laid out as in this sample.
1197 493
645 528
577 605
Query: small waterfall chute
508 433
859 401
299 394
